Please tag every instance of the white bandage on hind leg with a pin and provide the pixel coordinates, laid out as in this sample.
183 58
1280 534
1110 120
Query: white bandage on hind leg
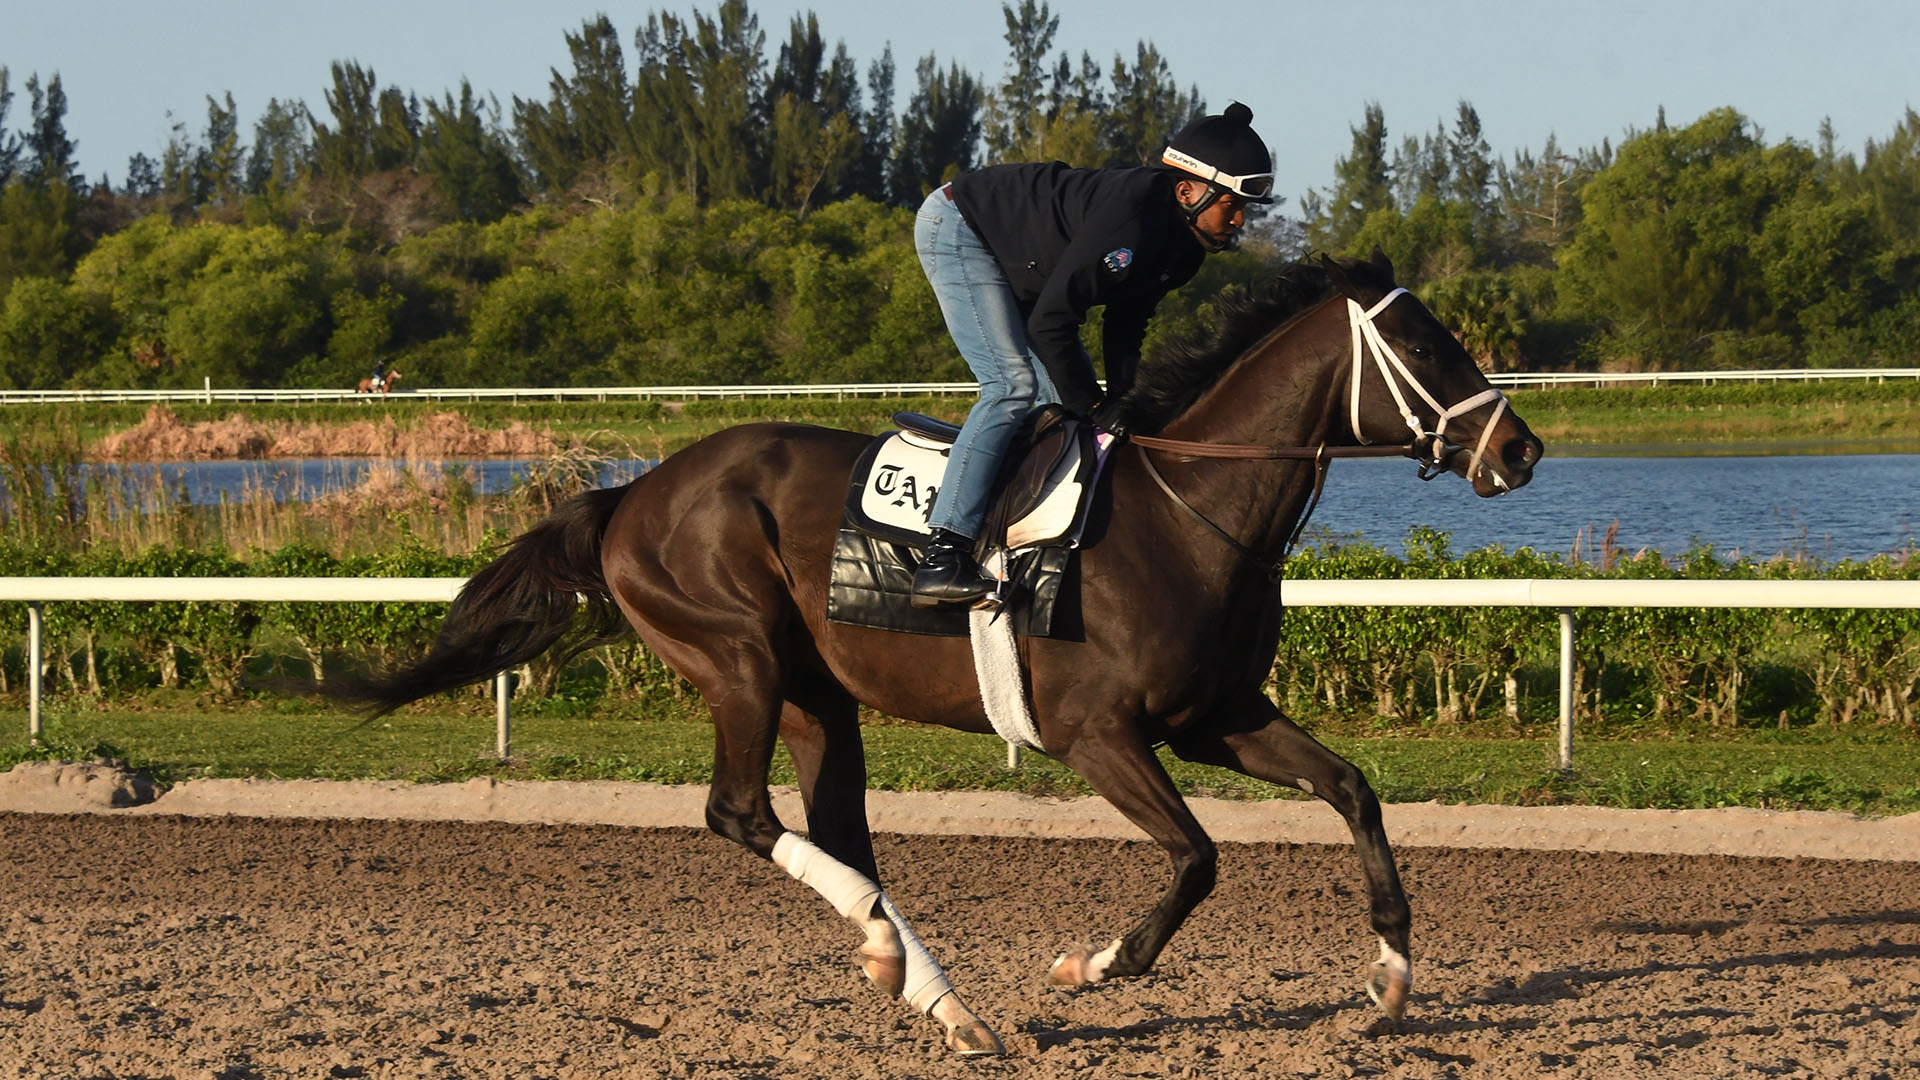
849 891
926 980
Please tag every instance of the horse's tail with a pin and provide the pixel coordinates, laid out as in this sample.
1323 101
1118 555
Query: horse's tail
546 587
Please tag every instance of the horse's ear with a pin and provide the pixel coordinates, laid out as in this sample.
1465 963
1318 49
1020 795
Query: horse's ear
1337 274
1382 264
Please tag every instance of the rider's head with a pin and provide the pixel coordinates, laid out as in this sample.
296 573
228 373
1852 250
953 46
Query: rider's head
1220 164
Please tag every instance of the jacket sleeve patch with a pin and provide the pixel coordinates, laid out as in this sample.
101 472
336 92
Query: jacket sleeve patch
1118 259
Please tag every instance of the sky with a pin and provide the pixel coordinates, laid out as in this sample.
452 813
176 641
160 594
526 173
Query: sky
1584 72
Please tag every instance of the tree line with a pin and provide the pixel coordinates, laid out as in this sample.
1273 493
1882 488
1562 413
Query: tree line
692 202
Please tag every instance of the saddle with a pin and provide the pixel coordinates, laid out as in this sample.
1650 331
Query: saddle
1044 492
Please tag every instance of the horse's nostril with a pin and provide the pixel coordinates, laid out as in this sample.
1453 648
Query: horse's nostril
1522 453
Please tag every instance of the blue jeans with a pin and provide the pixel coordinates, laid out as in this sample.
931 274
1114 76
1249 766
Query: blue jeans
985 320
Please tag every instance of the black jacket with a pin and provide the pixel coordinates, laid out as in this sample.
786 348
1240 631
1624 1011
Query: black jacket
1072 239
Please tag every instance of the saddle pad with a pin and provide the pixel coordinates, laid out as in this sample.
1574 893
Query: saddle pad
893 487
891 493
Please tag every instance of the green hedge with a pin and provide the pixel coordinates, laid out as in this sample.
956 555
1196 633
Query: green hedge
1661 670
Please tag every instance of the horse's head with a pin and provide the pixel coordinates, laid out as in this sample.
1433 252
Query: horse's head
1411 379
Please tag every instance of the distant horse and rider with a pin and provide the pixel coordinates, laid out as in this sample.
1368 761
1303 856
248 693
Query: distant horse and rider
721 558
378 383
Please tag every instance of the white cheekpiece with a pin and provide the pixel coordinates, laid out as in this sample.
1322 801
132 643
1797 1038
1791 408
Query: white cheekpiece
926 980
848 890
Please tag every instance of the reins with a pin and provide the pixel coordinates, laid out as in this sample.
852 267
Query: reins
1255 452
1431 448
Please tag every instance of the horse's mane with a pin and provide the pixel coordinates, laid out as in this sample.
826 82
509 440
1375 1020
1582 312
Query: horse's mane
1174 375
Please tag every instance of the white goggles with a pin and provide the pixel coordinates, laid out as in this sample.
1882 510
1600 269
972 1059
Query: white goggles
1255 186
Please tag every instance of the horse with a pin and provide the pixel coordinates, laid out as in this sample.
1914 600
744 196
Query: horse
719 559
381 385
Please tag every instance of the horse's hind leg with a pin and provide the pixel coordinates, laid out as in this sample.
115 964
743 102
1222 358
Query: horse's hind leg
1254 738
747 715
824 739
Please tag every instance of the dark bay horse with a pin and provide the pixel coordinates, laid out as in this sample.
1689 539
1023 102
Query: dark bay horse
719 559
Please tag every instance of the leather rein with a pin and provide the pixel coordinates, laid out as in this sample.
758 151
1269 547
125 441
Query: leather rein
1430 448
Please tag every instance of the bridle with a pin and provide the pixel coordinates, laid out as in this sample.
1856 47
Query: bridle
1430 448
1431 445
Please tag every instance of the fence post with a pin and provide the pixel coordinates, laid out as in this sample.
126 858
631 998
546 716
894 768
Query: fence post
502 720
34 624
1566 690
1013 755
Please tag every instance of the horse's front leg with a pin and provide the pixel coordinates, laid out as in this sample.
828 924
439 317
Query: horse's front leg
1121 766
1251 736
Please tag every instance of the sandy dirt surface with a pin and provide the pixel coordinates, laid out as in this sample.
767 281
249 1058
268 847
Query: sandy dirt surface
144 942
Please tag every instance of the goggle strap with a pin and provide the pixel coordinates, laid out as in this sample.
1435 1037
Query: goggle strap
1213 175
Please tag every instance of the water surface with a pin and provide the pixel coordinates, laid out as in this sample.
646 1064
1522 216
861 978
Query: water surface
1827 506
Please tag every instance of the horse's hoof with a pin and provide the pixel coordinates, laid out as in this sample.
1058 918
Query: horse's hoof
889 973
1070 967
974 1039
1388 986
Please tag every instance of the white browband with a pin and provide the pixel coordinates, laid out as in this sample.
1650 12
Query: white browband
1366 338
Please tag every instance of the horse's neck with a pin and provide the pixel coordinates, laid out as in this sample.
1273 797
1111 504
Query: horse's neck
1283 391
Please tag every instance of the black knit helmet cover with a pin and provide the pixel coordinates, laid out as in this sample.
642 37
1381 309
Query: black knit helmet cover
1222 145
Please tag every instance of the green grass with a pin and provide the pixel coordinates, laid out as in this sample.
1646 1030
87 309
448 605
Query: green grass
1813 417
176 738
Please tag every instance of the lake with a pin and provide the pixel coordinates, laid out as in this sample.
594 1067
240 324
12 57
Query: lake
1827 506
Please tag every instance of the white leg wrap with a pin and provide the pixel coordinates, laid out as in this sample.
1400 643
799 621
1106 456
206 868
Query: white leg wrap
926 981
848 890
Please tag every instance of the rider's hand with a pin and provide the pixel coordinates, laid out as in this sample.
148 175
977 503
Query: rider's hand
1108 419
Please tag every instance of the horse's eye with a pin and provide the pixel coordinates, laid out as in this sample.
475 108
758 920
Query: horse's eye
1419 352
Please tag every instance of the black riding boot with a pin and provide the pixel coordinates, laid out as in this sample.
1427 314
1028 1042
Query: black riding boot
948 575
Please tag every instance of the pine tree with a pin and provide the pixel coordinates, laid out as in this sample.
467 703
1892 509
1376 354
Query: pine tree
345 149
816 137
1468 152
9 143
221 158
1362 185
281 152
50 152
939 131
396 136
463 149
143 178
868 174
1147 107
725 61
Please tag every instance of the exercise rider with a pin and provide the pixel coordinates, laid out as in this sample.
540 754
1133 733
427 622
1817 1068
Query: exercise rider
1018 254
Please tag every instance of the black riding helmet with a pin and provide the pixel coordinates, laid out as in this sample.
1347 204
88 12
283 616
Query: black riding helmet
1227 153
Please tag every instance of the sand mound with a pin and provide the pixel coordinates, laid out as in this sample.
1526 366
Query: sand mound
73 786
161 436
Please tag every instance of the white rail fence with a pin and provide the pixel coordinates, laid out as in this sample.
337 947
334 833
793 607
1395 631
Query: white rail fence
1566 596
209 394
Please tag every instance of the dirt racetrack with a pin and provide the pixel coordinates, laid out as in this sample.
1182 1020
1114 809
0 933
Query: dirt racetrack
230 947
